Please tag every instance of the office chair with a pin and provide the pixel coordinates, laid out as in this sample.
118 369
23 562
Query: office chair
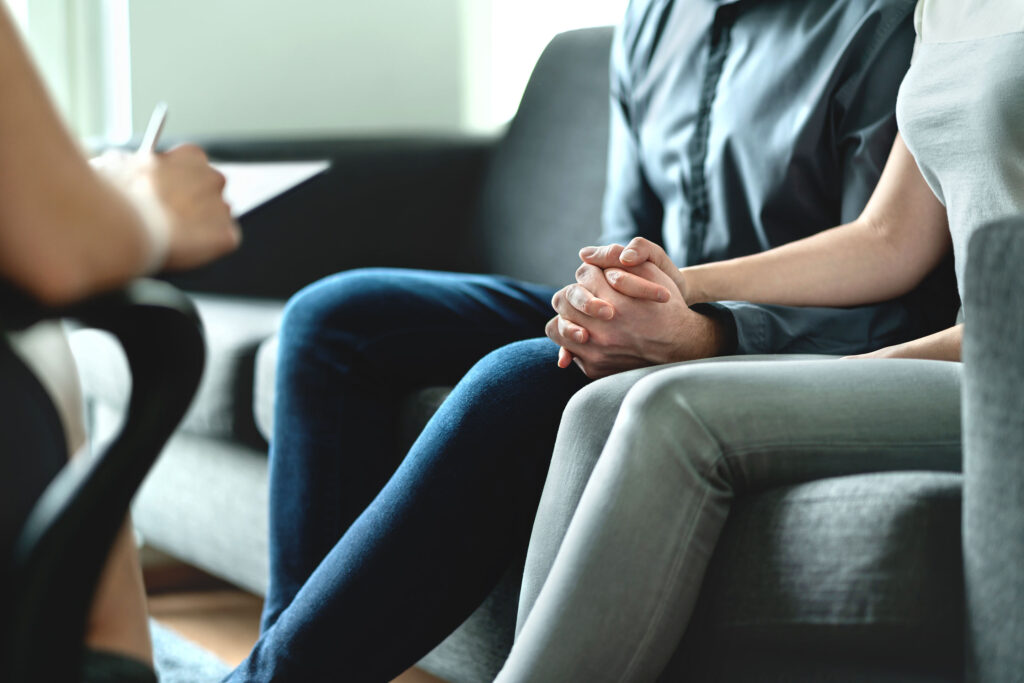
64 543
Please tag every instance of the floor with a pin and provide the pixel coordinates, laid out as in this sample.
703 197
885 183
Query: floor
218 617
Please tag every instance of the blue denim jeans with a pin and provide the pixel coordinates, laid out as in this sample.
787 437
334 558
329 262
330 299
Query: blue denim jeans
372 567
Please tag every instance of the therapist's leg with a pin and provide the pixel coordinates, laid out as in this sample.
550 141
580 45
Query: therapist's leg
118 619
687 440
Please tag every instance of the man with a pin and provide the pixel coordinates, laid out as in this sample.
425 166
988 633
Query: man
737 126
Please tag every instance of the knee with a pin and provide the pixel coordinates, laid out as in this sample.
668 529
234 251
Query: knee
676 415
528 362
676 391
341 300
597 401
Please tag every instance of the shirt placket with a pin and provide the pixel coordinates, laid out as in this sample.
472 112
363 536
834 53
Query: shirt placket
697 153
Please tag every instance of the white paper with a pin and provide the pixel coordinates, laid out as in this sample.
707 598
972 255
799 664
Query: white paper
251 184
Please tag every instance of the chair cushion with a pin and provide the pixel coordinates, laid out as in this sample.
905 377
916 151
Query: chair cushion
862 572
234 328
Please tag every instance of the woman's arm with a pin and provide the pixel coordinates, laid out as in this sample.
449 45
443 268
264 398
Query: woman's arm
944 345
65 232
901 235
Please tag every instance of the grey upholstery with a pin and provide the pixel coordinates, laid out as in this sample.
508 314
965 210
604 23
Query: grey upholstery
994 453
857 576
223 405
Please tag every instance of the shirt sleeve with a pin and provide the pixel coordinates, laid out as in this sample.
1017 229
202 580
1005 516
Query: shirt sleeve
631 208
767 329
865 107
866 126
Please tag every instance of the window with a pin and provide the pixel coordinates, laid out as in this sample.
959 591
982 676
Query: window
81 49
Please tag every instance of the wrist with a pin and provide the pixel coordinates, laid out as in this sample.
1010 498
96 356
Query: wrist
125 173
156 226
707 332
695 286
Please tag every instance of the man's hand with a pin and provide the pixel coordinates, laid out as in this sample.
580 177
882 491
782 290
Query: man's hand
605 331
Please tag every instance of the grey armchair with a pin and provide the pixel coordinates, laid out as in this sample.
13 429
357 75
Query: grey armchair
993 416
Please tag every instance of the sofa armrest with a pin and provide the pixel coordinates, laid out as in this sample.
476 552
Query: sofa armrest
383 202
994 452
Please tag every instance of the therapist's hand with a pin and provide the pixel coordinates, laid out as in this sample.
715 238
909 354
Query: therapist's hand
191 193
180 197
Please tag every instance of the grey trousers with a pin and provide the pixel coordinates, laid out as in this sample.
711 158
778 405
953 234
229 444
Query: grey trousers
646 466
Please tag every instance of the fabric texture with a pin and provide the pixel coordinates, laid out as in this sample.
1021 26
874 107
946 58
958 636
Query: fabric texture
180 661
223 406
107 667
994 453
541 197
941 21
458 507
959 112
626 540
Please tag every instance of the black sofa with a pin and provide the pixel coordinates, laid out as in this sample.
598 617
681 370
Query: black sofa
849 579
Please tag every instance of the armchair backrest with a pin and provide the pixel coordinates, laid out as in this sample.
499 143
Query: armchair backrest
541 200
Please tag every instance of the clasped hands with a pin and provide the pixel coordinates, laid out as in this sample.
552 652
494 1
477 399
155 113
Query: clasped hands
627 309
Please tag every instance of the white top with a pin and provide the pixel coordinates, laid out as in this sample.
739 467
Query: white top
950 21
961 111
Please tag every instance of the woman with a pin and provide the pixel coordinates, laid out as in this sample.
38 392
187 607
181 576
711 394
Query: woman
66 232
688 438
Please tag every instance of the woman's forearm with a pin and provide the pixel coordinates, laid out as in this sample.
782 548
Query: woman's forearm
944 345
898 239
845 266
64 231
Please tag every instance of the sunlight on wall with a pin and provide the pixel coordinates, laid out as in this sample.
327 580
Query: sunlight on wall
19 8
332 66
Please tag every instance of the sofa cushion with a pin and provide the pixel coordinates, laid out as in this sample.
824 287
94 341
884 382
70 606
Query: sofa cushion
862 572
234 328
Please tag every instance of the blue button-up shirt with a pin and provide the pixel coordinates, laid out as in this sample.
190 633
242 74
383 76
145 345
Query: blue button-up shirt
741 125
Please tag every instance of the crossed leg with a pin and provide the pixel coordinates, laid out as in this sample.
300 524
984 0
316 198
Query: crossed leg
630 516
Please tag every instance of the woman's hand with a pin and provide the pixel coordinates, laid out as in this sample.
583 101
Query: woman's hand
180 198
615 259
944 345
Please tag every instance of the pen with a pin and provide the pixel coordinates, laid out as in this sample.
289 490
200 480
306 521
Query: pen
153 130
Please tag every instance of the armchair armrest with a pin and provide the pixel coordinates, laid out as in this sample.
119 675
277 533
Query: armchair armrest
993 415
384 202
64 542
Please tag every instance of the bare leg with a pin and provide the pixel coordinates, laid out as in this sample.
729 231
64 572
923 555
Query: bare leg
118 620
